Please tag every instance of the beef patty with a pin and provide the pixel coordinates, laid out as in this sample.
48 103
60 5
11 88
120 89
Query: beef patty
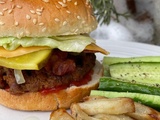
61 69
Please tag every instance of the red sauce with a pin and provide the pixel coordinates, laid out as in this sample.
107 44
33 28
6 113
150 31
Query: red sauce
85 80
55 89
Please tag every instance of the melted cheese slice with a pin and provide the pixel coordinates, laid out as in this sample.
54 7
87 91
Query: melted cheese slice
22 51
95 48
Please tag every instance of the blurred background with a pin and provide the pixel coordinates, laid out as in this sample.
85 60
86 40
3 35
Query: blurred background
142 24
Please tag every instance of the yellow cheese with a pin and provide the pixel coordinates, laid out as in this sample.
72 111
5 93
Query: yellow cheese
95 48
20 51
31 61
25 50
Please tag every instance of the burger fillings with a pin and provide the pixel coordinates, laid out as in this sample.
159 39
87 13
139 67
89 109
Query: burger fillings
45 46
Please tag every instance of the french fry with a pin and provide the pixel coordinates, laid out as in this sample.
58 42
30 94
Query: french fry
78 114
143 112
102 108
113 117
108 106
60 114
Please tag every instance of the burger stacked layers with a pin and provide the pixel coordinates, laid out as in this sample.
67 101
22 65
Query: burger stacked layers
47 58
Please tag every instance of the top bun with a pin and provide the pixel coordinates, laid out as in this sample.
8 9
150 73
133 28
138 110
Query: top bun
45 18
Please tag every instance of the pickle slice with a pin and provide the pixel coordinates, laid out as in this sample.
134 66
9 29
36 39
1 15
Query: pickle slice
31 61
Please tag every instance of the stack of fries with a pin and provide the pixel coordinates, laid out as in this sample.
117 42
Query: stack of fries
102 108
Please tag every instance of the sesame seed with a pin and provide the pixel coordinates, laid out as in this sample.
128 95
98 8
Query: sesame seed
20 35
56 19
45 1
40 24
39 10
13 6
32 11
16 23
10 11
87 2
44 29
62 4
42 8
75 3
1 13
2 23
34 21
5 9
76 30
39 13
64 1
2 2
78 17
69 0
64 23
28 17
18 6
68 11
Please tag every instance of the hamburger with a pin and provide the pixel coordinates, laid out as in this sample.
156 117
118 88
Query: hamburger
47 58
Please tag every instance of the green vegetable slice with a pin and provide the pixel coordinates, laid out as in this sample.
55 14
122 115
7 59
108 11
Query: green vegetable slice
112 60
75 43
146 99
113 84
146 73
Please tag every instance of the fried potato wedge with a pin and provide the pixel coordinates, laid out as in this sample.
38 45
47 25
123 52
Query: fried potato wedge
108 106
103 108
143 112
60 114
112 117
78 114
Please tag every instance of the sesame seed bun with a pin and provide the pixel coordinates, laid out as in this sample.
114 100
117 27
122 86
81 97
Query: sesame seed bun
52 101
44 18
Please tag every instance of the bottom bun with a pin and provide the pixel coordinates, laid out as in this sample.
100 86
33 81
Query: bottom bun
63 99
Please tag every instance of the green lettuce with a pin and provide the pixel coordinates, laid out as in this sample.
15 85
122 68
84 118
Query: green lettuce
74 43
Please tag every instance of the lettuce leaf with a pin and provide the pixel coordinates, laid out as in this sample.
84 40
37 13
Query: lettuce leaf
74 43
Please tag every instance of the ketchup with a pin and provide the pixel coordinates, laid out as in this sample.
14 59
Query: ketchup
83 81
55 89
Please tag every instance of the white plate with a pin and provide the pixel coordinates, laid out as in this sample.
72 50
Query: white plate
127 49
121 49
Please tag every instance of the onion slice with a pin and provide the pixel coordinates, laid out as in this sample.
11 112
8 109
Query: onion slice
19 76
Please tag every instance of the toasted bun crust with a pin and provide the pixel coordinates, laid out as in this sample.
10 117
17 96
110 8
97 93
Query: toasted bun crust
51 101
44 18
